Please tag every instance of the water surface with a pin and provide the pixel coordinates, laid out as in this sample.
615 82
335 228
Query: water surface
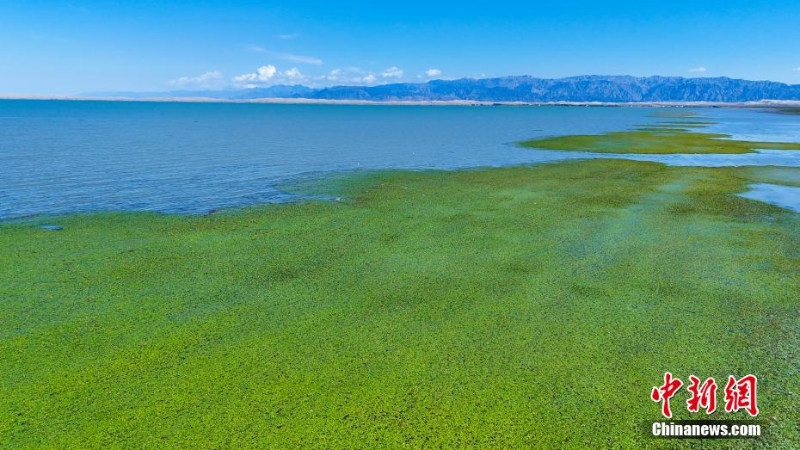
72 156
787 197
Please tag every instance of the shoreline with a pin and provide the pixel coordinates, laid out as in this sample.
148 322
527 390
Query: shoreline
307 101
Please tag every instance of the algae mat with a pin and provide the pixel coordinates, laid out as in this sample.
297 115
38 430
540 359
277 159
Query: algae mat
663 138
518 307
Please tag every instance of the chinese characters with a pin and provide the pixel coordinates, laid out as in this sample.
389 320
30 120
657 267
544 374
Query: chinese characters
740 394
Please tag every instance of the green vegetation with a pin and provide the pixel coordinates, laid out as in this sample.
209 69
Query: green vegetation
670 138
683 124
786 110
787 176
674 113
519 307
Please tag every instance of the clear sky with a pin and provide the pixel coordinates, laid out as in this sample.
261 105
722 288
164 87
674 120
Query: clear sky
75 46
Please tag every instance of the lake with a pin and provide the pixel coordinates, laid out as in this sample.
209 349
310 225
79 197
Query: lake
61 157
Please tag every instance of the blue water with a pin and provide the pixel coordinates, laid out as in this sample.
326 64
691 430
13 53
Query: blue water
784 196
70 156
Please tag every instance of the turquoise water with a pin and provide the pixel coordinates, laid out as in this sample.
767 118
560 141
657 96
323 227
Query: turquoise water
71 156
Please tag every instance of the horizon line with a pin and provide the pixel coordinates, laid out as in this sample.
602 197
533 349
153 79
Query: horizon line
95 94
764 103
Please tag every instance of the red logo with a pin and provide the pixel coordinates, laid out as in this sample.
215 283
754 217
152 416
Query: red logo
739 394
665 392
704 396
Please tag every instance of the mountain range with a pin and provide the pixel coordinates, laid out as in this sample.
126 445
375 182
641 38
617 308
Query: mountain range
527 89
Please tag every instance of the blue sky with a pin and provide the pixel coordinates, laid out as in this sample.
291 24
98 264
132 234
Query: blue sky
75 46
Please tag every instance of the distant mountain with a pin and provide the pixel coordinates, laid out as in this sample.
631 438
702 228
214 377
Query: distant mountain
606 89
296 91
614 89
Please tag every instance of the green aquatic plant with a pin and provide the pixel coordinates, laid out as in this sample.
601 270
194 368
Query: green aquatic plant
652 140
786 110
788 176
517 307
674 113
685 123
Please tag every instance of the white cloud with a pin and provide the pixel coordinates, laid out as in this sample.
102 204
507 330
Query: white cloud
430 73
333 75
252 48
796 69
269 75
698 70
357 76
262 75
208 80
349 75
286 37
392 72
293 74
284 56
299 58
266 72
